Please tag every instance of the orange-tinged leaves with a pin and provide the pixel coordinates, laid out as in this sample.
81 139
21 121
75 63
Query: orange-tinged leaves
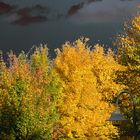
29 90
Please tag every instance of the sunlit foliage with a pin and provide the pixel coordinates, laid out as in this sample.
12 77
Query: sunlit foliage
129 55
88 87
72 96
29 89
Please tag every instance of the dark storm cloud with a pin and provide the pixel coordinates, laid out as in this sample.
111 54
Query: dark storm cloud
90 1
75 8
105 11
28 19
35 10
127 0
28 15
5 8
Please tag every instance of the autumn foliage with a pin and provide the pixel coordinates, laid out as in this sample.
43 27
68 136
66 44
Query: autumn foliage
72 96
129 56
87 77
29 89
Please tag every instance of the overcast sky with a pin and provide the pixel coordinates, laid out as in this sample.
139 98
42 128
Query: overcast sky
24 23
106 11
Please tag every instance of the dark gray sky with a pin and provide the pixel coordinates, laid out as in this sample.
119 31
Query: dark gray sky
26 23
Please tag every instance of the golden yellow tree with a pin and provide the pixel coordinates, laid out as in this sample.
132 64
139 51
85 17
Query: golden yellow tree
129 55
87 79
